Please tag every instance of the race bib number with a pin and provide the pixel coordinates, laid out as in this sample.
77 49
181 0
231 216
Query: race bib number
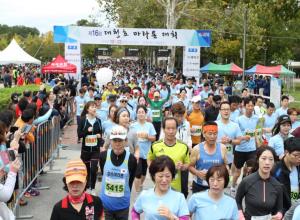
155 113
91 140
264 217
196 130
229 148
114 187
294 193
81 106
250 133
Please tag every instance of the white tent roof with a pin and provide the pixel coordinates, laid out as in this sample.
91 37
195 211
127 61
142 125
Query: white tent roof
13 53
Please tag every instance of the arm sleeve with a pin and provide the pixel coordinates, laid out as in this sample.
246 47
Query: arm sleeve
43 118
151 155
7 189
147 98
279 202
240 195
102 160
132 164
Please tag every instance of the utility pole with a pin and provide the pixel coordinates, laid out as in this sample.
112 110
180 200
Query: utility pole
244 41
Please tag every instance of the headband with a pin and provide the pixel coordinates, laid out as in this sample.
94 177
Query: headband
121 111
213 128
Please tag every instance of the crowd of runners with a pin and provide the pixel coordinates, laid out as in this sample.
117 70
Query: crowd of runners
215 148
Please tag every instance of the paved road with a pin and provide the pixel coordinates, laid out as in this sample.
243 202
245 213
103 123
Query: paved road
40 207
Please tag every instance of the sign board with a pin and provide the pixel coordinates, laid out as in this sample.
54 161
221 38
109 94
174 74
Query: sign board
163 52
191 61
275 91
132 52
132 36
103 52
73 55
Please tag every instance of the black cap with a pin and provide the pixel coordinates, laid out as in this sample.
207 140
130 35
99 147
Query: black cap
283 119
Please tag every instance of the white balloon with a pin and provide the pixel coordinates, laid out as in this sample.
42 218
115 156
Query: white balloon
103 76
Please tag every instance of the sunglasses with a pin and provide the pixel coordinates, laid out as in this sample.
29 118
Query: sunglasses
123 101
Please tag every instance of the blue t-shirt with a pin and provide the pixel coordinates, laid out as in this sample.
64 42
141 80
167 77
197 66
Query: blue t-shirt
269 123
148 203
247 126
295 125
277 143
204 208
80 101
296 215
231 130
204 95
102 113
163 93
107 126
280 111
144 144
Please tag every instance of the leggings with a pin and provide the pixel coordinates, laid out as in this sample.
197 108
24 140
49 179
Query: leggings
91 159
157 127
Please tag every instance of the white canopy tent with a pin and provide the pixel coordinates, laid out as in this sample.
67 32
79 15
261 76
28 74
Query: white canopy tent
13 53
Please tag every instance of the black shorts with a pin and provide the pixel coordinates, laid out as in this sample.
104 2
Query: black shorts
241 157
141 169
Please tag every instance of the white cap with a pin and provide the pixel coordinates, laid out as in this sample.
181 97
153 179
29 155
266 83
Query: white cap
196 98
123 97
118 132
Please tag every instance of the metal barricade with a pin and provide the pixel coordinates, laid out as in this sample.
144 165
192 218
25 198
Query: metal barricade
70 109
38 155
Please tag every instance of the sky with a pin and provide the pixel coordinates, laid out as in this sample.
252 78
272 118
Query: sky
44 14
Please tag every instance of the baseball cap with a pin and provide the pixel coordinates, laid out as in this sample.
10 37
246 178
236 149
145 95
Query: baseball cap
75 171
123 97
283 119
196 98
118 132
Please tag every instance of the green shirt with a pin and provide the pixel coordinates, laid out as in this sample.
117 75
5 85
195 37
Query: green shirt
156 107
179 152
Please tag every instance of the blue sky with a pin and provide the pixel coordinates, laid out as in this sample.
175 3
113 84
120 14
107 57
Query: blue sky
44 14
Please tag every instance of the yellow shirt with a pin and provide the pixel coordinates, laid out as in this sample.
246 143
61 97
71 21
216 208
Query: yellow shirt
179 152
107 93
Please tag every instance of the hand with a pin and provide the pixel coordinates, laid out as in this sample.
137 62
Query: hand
247 137
278 216
98 135
90 129
18 134
15 165
164 211
225 140
193 129
202 174
179 165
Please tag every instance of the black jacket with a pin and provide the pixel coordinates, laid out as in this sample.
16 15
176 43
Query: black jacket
83 132
282 173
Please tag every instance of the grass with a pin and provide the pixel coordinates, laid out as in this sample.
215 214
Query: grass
296 95
5 93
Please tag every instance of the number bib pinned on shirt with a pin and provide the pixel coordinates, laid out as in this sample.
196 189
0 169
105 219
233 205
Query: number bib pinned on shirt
114 187
294 193
155 113
81 106
197 130
91 140
229 148
264 217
